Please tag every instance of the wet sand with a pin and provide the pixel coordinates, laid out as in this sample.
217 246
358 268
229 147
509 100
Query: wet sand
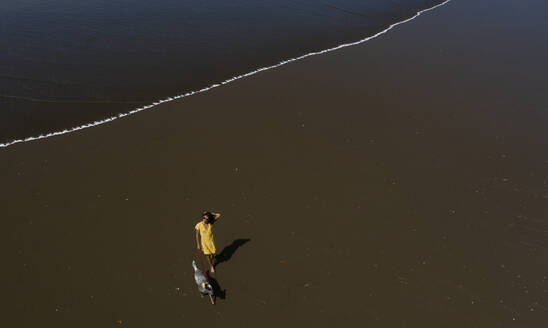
399 183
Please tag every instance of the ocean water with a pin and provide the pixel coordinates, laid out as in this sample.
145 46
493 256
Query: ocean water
65 64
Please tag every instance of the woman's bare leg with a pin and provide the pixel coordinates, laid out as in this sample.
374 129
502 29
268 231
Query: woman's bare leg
210 260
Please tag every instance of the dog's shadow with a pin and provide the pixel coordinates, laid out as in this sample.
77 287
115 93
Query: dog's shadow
228 251
217 290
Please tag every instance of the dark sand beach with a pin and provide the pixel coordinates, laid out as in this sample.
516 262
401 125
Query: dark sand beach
398 183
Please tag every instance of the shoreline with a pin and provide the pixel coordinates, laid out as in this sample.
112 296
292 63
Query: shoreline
215 85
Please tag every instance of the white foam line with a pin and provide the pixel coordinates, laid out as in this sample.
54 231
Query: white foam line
230 80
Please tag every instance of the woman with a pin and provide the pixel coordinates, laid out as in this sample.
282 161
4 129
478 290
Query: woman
204 236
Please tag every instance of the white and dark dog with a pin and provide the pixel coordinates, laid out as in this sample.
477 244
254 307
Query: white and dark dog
203 285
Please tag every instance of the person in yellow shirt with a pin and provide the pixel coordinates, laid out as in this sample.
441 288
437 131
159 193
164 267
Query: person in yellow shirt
204 236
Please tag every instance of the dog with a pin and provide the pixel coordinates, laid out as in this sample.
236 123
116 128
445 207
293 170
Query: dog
201 280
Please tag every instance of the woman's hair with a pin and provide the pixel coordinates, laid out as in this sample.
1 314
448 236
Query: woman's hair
209 216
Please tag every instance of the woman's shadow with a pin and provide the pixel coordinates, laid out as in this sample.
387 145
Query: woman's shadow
229 250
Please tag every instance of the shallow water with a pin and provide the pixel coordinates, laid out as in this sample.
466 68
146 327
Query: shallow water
65 64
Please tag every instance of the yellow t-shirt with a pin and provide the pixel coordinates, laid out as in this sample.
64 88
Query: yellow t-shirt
206 236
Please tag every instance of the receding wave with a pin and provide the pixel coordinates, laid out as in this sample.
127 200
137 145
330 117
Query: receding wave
212 86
